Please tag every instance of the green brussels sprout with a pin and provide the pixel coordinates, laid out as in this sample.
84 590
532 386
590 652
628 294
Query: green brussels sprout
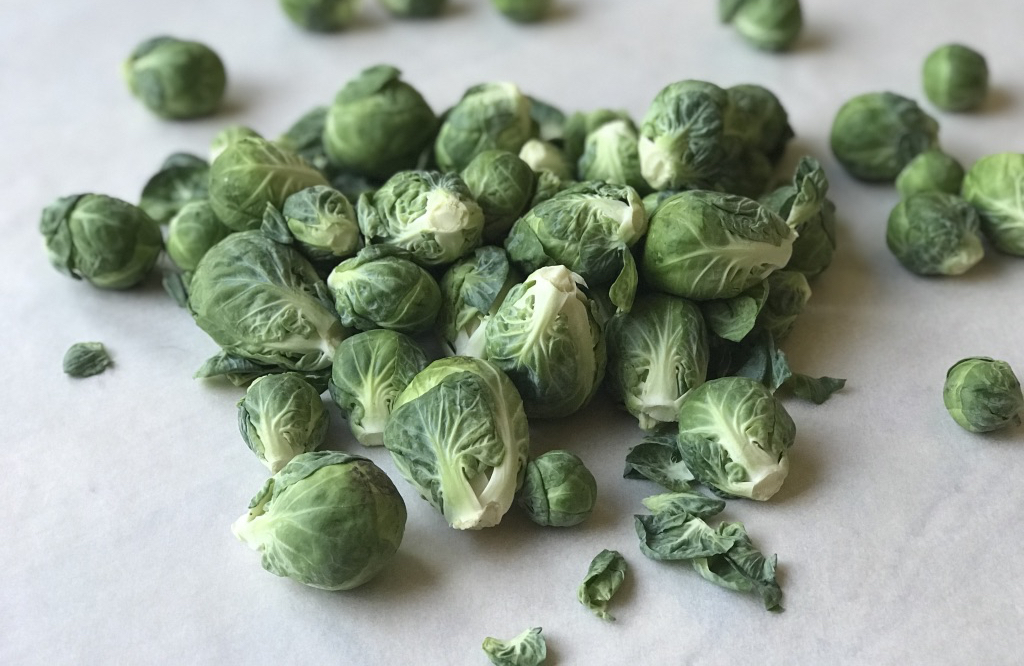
550 120
324 223
85 359
771 25
743 170
558 491
414 8
109 242
523 11
931 171
805 207
546 337
472 290
191 234
250 173
370 370
875 135
983 394
548 185
228 136
182 179
734 435
526 649
175 78
934 233
580 125
305 138
656 354
546 156
328 519
604 577
459 435
610 154
264 302
281 416
321 15
993 186
503 186
706 245
956 78
755 116
381 288
655 199
430 215
788 294
378 124
489 116
588 228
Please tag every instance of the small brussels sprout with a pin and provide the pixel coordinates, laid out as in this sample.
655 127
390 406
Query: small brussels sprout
175 78
281 416
228 136
734 435
772 25
191 234
250 173
109 242
875 135
610 154
931 171
755 116
182 179
546 337
788 294
559 490
983 394
546 156
503 186
993 186
370 370
328 519
580 125
321 15
380 288
85 359
934 233
489 116
415 8
526 649
428 214
523 11
324 223
956 78
471 291
459 435
378 124
706 245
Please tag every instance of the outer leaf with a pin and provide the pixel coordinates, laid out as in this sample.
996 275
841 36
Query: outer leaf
85 359
657 459
733 318
813 389
743 568
688 502
678 536
526 649
604 577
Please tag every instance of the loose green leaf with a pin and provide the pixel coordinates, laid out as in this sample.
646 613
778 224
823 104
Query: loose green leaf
604 577
813 389
85 359
678 535
742 568
657 459
526 649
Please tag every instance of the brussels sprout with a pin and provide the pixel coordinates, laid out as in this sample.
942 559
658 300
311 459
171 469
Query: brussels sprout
471 291
526 649
228 136
788 293
548 185
550 120
328 519
545 336
705 245
743 170
956 78
734 435
250 173
604 577
610 154
430 215
772 25
656 354
559 490
993 186
588 228
85 359
415 8
523 11
983 394
109 242
503 186
182 178
305 138
742 568
175 78
931 171
580 125
381 288
546 156
934 233
264 302
489 116
378 124
875 135
281 416
321 15
322 220
755 116
458 433
370 370
192 232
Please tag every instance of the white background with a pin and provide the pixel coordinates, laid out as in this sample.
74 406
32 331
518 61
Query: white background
898 533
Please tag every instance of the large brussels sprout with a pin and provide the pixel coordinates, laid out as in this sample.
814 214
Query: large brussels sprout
381 288
378 124
249 174
657 353
264 302
192 232
993 186
430 215
734 435
324 223
523 11
182 179
109 242
370 370
934 233
755 116
489 116
875 135
471 291
281 416
772 25
588 228
983 394
321 15
503 186
328 519
706 245
931 171
459 435
545 336
415 8
788 294
610 154
175 78
558 491
956 78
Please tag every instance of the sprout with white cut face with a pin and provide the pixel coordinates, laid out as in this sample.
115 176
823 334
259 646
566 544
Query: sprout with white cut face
280 417
546 156
610 154
994 186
